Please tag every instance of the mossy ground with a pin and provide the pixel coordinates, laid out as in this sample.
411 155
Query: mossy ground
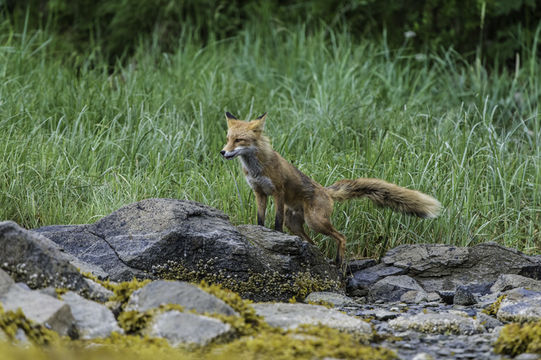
253 338
516 339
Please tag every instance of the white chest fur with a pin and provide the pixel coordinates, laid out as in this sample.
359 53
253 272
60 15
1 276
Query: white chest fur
254 175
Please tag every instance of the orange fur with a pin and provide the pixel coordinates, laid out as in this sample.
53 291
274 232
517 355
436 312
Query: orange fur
299 199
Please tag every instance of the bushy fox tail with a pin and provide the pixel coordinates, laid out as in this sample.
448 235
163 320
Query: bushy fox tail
382 193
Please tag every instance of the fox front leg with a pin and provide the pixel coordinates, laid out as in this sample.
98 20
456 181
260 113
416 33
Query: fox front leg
280 209
261 200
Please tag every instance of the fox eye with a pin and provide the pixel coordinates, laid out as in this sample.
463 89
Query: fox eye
238 140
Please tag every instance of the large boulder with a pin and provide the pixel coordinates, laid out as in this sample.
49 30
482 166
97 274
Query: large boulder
5 282
37 261
444 267
185 240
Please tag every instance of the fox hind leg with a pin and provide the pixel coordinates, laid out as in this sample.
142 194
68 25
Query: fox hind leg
294 221
319 221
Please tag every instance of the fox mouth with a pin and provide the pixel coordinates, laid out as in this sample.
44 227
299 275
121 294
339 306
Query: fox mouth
230 154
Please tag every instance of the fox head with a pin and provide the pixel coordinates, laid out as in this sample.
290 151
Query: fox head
242 136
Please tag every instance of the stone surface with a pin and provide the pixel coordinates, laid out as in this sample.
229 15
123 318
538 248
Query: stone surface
5 282
167 238
438 323
92 320
361 281
334 299
520 305
190 297
354 266
185 328
97 292
511 281
463 296
392 288
290 316
442 267
40 308
36 260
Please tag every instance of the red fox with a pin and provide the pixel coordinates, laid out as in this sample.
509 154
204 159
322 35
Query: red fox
299 199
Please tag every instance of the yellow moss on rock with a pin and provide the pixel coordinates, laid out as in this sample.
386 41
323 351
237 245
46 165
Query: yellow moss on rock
307 342
493 308
12 321
516 339
268 285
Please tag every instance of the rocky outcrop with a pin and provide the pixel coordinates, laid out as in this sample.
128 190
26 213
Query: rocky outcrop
35 260
444 267
185 240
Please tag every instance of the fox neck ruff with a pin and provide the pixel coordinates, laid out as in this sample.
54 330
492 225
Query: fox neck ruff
253 168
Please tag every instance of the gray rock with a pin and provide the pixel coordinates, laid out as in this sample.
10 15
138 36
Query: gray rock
97 292
93 320
163 292
185 328
36 260
176 239
5 282
392 288
361 281
438 323
447 296
423 356
528 356
354 266
520 305
463 296
334 299
488 321
442 267
512 281
290 316
42 309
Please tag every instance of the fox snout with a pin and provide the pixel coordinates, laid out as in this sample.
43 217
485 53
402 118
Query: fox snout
230 154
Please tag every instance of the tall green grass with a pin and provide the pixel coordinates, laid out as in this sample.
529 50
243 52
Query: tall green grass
76 143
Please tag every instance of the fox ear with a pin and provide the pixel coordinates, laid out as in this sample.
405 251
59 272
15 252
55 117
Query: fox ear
229 118
259 123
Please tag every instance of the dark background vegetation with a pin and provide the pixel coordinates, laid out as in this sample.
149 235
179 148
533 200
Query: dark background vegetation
489 30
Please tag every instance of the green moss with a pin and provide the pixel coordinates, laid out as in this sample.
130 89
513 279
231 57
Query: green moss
261 286
516 339
248 323
493 308
12 321
133 322
306 342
